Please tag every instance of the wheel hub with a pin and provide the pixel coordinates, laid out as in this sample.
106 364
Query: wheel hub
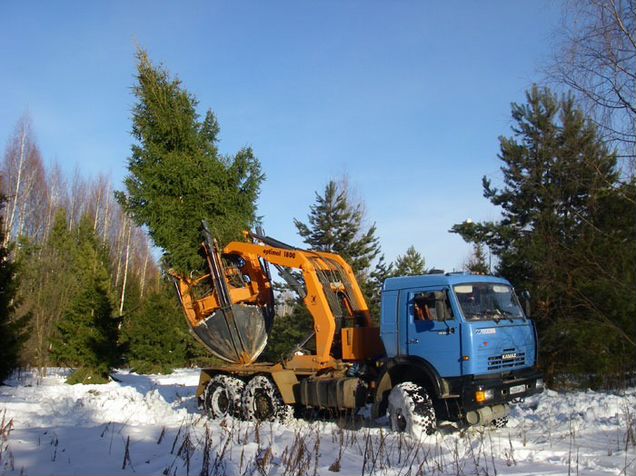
223 402
263 406
401 421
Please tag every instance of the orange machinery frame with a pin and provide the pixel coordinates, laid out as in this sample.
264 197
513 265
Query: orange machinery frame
360 341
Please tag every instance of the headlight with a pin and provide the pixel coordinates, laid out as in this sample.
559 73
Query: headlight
484 395
539 383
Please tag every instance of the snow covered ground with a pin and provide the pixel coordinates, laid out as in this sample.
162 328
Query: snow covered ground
150 424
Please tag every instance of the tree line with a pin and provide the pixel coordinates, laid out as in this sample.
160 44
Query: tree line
567 198
78 274
80 285
567 234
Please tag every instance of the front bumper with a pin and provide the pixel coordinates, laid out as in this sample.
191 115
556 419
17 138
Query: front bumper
503 388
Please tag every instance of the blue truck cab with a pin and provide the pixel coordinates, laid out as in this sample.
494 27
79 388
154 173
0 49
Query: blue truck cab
464 339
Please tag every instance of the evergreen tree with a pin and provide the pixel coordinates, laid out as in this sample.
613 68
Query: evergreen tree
380 273
336 225
410 263
477 264
48 283
567 235
288 332
155 334
177 175
87 331
11 331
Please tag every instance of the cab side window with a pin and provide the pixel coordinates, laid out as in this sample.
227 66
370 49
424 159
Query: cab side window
432 306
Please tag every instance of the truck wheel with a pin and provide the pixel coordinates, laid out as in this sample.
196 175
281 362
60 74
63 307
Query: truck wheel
411 409
223 396
261 401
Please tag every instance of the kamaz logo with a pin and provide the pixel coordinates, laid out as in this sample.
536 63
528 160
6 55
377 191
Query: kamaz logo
511 355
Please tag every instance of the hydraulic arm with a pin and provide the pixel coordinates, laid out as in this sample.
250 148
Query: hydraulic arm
231 309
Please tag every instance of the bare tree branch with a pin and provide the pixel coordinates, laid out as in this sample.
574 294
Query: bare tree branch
595 57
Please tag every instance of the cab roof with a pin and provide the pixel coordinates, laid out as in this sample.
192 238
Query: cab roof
448 279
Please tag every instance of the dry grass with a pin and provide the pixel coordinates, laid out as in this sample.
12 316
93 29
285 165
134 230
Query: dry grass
7 461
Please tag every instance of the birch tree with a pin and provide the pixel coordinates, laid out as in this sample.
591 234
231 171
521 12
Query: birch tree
33 198
57 196
595 58
20 150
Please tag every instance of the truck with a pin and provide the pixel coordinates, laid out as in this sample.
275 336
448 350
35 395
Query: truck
452 347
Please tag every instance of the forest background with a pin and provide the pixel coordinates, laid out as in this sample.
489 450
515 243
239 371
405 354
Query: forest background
81 285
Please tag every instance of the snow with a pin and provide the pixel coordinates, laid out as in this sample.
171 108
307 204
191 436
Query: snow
150 424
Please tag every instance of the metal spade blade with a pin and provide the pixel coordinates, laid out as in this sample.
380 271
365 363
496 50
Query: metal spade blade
237 335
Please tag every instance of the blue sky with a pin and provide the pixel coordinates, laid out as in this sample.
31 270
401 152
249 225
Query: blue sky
405 98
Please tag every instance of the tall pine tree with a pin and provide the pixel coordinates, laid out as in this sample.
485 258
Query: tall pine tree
336 225
177 175
567 234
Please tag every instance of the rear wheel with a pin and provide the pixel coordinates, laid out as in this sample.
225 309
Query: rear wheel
411 409
261 401
222 396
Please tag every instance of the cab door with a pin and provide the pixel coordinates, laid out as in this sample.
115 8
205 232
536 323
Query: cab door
432 329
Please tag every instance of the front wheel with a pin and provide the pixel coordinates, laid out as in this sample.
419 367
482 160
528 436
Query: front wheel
411 409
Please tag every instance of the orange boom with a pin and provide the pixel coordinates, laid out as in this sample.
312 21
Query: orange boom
231 309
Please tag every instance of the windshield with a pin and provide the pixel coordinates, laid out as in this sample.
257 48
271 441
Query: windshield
488 301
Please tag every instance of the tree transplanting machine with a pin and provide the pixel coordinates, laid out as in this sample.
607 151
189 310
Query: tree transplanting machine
454 346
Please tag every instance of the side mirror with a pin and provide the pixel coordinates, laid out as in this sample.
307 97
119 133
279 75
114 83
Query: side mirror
525 300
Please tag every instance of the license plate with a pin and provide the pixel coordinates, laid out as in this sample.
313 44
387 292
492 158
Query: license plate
517 389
